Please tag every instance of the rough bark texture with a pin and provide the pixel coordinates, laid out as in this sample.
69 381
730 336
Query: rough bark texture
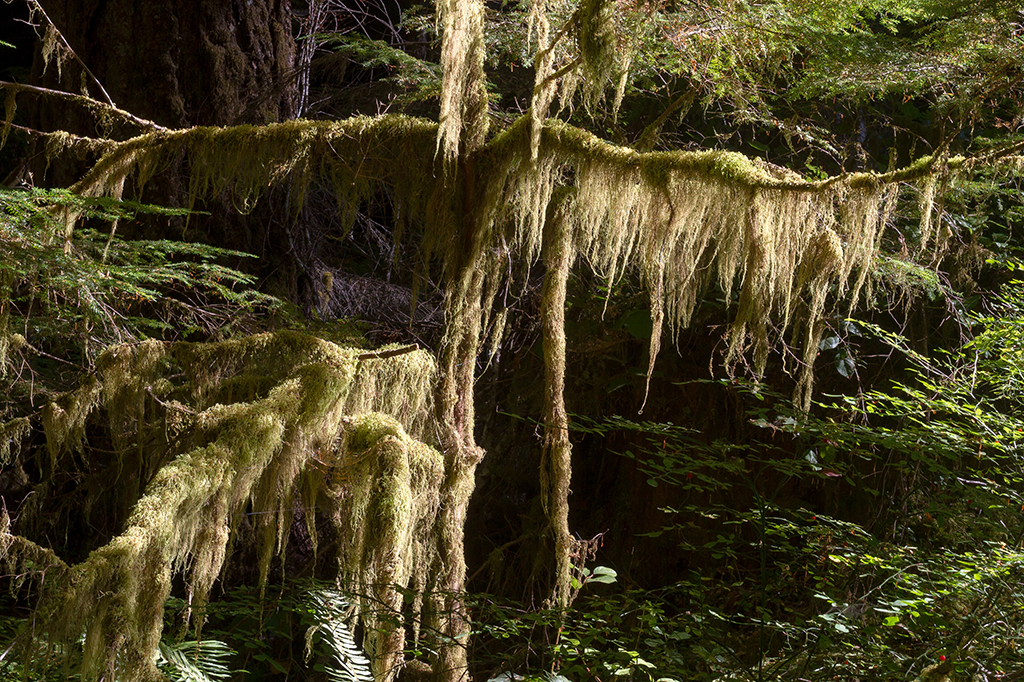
180 62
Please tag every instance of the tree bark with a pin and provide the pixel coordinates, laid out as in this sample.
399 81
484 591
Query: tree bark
179 63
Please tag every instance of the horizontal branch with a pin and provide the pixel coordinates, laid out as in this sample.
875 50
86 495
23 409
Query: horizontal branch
263 155
381 354
98 143
569 142
88 102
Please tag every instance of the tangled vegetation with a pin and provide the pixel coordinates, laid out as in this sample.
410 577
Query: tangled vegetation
230 436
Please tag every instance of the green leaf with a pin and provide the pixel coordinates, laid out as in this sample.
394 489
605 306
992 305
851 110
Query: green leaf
603 574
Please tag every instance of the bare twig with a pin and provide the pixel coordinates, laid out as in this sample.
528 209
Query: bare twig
83 100
379 355
74 54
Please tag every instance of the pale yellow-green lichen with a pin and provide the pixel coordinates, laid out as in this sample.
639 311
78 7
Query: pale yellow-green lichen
463 116
11 435
373 390
64 420
259 444
386 512
684 221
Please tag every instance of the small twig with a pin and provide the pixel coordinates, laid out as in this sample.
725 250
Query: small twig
562 71
74 54
35 350
179 407
379 355
82 99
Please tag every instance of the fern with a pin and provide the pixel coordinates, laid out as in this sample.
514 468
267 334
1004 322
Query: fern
81 291
193 661
329 607
419 79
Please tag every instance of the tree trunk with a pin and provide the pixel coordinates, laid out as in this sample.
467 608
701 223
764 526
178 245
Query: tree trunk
556 459
179 63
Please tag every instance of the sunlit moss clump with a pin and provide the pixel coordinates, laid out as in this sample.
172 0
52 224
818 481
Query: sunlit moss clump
386 513
205 431
214 430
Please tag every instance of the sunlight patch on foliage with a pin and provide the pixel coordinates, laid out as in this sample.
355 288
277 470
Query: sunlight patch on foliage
245 421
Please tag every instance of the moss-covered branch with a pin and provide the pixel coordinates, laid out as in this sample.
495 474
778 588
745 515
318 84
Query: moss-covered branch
258 410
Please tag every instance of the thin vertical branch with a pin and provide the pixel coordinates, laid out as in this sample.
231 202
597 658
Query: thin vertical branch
74 54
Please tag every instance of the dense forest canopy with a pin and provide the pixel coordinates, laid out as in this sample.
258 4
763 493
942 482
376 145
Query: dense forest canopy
371 340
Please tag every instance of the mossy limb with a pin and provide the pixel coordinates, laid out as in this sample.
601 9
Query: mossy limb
244 444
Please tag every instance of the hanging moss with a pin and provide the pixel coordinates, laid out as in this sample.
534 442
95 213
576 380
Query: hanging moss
544 85
354 156
413 407
10 342
64 420
463 116
598 44
249 414
11 435
258 411
686 220
22 558
386 512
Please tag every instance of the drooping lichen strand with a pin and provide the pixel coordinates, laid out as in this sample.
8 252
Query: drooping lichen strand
687 220
926 205
64 420
11 435
21 559
386 512
597 38
132 374
355 157
413 407
8 340
463 117
545 83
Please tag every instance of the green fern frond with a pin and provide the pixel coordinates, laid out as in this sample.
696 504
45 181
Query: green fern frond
93 286
420 79
329 607
193 661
